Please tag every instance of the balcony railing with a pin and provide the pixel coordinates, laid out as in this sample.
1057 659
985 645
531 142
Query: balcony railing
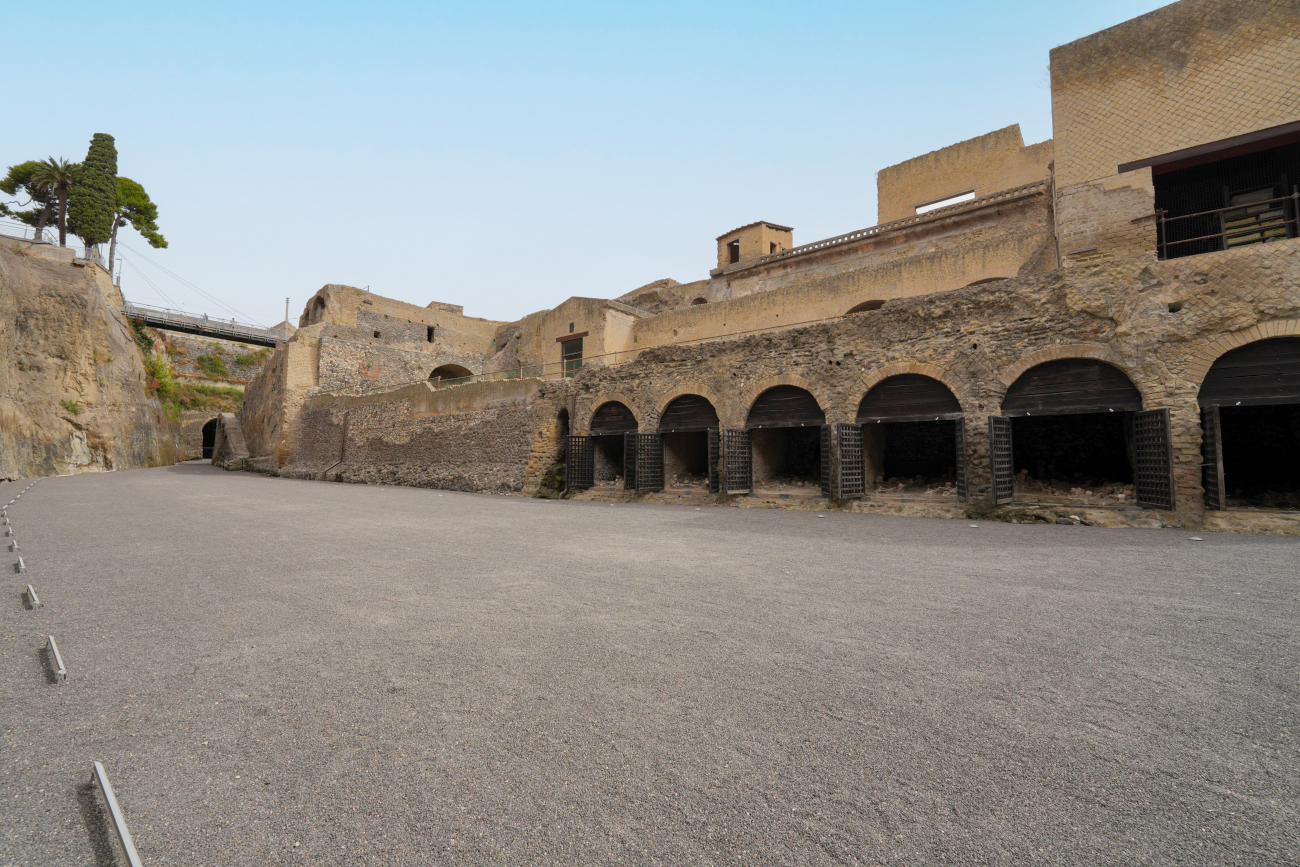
1249 223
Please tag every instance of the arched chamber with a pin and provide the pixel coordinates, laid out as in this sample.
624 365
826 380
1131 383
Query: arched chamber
912 439
1250 427
1074 431
688 434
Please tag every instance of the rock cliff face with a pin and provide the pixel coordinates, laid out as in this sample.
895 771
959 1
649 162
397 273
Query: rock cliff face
72 382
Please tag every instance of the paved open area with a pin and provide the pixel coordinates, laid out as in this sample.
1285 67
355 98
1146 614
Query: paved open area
279 671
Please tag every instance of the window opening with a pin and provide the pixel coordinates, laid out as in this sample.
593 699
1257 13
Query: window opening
428 334
1247 199
571 356
376 335
950 199
771 247
733 252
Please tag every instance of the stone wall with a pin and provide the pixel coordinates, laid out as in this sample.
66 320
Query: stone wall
986 164
1184 75
488 436
976 340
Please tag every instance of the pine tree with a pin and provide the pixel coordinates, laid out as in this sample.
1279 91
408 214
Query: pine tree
134 208
93 206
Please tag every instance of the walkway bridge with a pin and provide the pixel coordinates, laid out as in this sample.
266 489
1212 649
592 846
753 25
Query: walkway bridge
188 323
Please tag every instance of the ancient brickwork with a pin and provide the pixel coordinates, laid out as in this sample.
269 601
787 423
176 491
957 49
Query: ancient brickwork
1184 75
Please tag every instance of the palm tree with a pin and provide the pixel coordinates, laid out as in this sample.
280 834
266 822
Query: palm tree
56 177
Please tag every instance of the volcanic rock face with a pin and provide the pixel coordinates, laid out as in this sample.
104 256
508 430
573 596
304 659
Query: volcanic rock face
73 388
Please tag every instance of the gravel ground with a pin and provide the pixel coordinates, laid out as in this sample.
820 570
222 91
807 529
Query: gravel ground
280 671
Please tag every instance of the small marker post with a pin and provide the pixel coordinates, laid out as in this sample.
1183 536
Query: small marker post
60 670
20 566
33 598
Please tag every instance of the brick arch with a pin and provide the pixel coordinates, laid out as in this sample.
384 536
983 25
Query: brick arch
600 400
750 394
1069 350
873 377
687 388
1205 357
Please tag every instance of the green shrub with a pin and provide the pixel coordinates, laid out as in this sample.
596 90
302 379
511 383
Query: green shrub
213 365
72 406
253 359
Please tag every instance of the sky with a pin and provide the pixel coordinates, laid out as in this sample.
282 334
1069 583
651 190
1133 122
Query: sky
507 156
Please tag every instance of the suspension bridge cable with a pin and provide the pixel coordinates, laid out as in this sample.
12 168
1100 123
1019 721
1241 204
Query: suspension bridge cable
169 301
185 282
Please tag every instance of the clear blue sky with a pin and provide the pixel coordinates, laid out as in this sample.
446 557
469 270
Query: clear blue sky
507 156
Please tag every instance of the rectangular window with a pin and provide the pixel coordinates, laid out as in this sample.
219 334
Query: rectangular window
1245 199
571 352
733 252
945 201
428 334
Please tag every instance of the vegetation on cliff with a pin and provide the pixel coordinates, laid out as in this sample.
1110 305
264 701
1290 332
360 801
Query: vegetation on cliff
175 396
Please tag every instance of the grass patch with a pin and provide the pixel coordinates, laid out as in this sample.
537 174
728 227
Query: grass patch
72 406
213 365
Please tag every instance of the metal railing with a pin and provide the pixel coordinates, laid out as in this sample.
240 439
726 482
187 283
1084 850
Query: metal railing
189 323
1249 223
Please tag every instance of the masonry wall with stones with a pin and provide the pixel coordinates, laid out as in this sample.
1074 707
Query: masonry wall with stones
494 437
976 340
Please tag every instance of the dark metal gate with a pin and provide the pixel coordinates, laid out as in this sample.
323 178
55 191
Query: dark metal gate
826 476
579 463
1212 459
1004 480
715 457
963 486
851 476
649 462
1153 455
629 461
737 462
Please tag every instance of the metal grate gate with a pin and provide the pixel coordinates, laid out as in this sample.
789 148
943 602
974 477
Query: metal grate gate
737 462
1000 465
649 462
963 486
715 457
1153 455
630 461
826 476
852 479
579 463
1212 459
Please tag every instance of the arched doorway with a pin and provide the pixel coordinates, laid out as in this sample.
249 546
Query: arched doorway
611 421
449 373
1073 431
209 437
684 429
1250 419
785 432
913 437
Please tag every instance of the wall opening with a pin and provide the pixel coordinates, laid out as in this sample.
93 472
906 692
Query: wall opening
446 372
317 311
1228 203
909 439
1255 392
785 434
428 334
571 356
209 437
733 252
1261 456
945 201
865 306
700 301
684 427
609 423
1072 432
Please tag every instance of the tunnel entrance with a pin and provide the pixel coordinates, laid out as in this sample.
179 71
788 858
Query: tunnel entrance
209 437
1250 420
912 437
785 434
608 425
684 427
1071 435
